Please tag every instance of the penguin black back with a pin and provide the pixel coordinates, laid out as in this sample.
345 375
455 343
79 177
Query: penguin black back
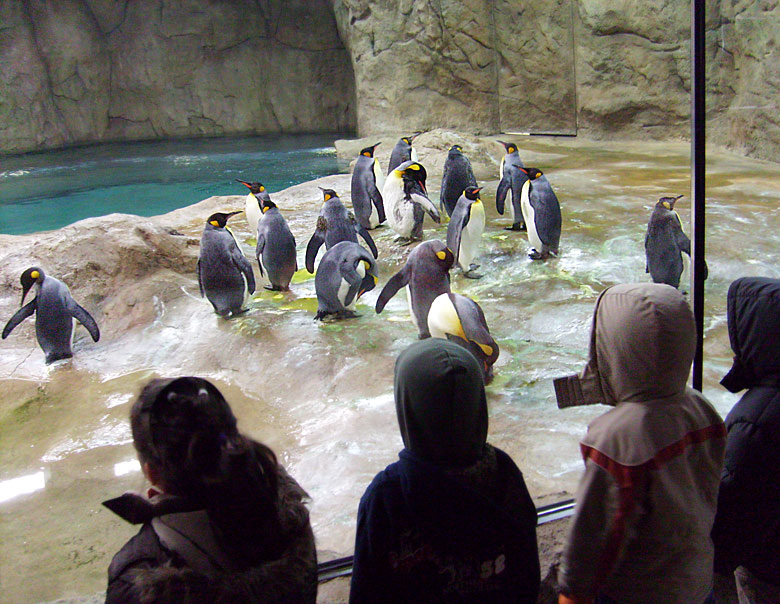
458 175
665 242
513 178
402 152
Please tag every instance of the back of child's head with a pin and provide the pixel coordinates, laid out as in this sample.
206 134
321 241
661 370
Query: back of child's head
185 430
440 403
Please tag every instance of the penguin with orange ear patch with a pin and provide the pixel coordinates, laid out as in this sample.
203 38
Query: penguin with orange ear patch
426 274
459 319
54 310
225 276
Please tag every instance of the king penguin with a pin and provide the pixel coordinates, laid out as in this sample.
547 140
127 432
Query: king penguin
403 151
335 224
254 201
457 176
345 273
512 178
225 276
464 232
54 310
275 250
665 244
406 201
367 182
426 275
542 214
459 319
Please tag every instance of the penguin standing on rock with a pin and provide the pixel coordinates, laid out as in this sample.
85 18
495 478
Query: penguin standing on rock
513 178
665 244
542 214
465 229
54 310
275 250
367 182
402 152
458 175
254 200
426 275
459 319
335 224
225 276
406 201
345 273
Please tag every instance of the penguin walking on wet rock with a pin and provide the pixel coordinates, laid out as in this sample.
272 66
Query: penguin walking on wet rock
406 201
457 176
254 200
512 178
334 225
54 311
426 275
367 183
345 273
667 247
225 276
464 232
459 319
542 214
402 152
275 250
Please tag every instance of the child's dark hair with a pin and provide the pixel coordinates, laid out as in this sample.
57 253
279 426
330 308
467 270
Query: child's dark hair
185 429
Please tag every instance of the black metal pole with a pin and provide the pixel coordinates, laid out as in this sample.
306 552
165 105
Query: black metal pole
698 117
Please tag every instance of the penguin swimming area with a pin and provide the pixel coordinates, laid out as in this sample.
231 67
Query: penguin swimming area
320 394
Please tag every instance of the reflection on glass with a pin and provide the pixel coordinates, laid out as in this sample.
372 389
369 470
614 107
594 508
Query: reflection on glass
126 467
22 485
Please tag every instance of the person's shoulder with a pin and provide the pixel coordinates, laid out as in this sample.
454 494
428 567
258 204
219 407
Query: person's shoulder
385 483
143 548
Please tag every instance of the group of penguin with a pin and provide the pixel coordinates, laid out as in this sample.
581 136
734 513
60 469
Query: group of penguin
347 270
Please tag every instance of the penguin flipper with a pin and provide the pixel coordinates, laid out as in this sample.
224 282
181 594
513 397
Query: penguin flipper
200 281
82 316
682 241
368 239
259 250
396 282
458 222
242 264
503 188
379 204
20 315
315 243
427 205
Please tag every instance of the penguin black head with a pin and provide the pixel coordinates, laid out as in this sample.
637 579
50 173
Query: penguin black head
472 193
328 194
510 147
413 173
456 150
443 254
254 187
29 278
266 204
533 173
369 151
667 202
219 219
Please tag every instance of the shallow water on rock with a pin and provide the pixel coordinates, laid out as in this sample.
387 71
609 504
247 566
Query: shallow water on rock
321 394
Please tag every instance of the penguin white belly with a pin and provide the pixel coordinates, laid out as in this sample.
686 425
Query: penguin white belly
264 277
471 236
509 205
253 213
379 176
443 318
373 219
528 217
392 193
685 276
411 308
413 155
406 225
342 294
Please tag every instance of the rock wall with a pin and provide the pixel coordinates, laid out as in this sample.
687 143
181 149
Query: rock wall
79 71
94 70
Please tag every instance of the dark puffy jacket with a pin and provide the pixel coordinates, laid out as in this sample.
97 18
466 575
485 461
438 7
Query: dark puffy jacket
426 535
174 559
747 525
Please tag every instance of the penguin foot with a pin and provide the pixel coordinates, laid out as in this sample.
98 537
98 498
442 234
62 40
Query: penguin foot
534 255
517 226
275 288
472 274
347 314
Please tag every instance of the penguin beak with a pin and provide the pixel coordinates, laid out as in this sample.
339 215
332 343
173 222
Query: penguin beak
243 182
375 146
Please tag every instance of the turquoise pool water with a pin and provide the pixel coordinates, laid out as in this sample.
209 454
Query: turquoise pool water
48 190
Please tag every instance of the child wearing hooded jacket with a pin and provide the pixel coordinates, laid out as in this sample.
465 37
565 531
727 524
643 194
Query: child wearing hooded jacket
747 525
646 502
223 522
452 520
